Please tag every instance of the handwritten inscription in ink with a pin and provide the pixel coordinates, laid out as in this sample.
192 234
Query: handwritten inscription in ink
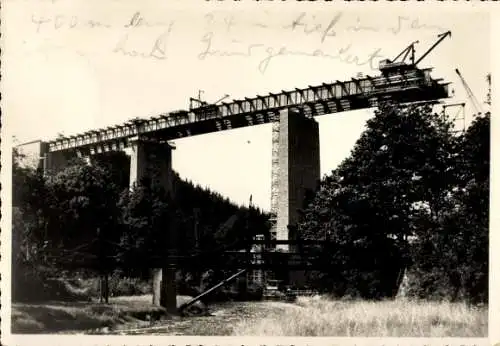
226 35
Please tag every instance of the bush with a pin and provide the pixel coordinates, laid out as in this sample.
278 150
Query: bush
38 284
127 286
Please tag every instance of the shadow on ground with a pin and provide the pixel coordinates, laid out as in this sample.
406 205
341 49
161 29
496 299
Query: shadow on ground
80 316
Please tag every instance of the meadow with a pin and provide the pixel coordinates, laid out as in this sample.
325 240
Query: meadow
319 316
308 316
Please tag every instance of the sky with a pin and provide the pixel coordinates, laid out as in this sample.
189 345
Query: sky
75 66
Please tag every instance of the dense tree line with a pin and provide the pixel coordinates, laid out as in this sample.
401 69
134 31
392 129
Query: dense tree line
412 197
85 216
451 250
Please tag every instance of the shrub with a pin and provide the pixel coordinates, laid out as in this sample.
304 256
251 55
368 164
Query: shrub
126 286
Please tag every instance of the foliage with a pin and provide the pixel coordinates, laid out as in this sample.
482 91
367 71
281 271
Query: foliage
62 220
29 207
127 286
83 215
148 218
80 217
451 251
400 169
411 195
218 221
28 229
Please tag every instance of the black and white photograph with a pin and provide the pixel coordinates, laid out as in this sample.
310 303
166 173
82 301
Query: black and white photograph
295 171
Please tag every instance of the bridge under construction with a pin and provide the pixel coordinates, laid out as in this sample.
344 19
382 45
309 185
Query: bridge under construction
295 136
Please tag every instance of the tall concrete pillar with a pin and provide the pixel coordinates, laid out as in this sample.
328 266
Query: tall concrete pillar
169 288
165 288
296 169
299 168
157 276
152 160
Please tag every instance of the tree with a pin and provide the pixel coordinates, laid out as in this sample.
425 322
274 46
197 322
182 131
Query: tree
28 192
82 200
28 228
148 221
79 218
367 205
451 252
83 218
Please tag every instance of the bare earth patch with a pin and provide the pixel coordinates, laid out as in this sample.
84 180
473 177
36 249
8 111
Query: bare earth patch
225 316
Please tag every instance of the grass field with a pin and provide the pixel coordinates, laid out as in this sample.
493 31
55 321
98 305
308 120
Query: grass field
322 317
93 317
71 317
314 316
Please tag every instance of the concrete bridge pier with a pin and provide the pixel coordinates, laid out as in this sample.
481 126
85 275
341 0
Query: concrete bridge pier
153 161
150 159
298 171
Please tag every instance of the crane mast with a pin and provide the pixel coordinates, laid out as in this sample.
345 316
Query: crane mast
409 52
470 94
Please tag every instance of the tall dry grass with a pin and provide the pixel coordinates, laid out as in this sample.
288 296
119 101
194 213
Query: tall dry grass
319 316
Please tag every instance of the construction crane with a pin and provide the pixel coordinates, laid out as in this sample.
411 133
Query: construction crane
470 94
400 81
222 98
458 118
488 95
388 65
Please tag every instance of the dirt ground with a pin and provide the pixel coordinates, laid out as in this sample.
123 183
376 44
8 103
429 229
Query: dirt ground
314 316
224 317
133 315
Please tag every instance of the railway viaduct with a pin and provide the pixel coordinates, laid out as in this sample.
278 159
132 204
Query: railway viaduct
295 137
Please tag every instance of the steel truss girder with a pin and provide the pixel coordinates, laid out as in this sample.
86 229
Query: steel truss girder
322 99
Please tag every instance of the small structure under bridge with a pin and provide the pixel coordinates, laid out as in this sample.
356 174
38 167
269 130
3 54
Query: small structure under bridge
289 267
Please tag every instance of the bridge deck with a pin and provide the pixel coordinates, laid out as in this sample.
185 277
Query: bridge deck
410 85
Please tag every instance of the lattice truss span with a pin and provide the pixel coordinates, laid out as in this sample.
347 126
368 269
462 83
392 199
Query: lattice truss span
408 84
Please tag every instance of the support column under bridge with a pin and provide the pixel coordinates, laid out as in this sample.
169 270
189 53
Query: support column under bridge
295 170
152 161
